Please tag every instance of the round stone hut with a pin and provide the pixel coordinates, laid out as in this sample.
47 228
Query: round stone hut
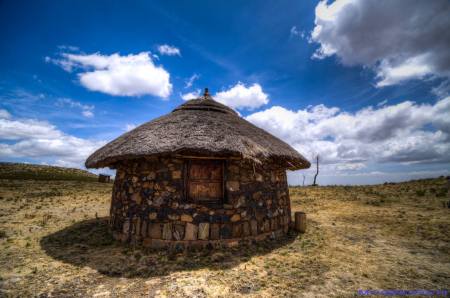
199 176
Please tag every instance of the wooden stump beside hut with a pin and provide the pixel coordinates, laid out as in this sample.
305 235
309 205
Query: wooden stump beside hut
201 175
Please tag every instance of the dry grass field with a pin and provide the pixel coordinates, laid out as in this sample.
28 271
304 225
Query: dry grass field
54 242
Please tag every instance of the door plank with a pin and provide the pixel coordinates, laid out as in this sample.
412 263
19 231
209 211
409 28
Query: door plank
205 181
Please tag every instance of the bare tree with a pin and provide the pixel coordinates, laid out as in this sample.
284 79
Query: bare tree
317 170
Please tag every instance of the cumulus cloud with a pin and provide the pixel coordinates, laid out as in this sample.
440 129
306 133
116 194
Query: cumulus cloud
190 95
169 50
40 140
131 75
86 110
400 40
238 96
242 97
406 132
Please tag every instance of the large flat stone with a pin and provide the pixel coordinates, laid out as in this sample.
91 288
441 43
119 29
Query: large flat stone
178 231
232 185
237 230
126 227
144 229
186 218
152 215
254 227
137 225
245 229
154 230
190 232
176 174
167 231
225 231
215 232
235 218
203 231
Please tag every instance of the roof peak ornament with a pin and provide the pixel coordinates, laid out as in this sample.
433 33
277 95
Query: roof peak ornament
206 93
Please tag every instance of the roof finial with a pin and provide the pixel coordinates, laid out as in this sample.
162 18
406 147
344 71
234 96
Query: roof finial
206 94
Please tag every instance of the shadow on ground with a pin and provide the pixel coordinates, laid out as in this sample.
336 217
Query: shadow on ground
89 243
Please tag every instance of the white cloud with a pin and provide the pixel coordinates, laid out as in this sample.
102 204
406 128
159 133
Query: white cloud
241 97
405 132
68 48
191 80
131 75
295 32
86 110
391 73
67 65
87 113
129 127
238 96
169 50
442 90
4 114
400 40
42 141
382 103
349 166
23 129
190 95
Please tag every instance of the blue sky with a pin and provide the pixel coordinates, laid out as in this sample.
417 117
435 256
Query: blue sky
334 79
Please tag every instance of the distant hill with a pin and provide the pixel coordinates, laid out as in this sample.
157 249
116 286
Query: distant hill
42 172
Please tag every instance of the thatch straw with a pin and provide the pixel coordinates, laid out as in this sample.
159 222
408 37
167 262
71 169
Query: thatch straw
200 127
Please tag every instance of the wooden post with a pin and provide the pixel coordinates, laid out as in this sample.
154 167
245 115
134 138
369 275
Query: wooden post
317 171
300 222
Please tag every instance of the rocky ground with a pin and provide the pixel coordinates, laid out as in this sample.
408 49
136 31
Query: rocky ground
54 242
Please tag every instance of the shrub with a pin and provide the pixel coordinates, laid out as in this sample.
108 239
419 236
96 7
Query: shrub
442 192
420 192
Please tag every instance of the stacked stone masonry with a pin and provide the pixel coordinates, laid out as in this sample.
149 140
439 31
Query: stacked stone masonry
149 205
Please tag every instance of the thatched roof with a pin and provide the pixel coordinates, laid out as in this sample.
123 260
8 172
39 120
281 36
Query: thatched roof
200 127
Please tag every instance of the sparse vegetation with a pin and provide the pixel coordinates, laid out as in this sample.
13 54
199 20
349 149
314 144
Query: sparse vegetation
42 172
358 237
420 192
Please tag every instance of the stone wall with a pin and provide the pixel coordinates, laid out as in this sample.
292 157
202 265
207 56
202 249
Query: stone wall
149 205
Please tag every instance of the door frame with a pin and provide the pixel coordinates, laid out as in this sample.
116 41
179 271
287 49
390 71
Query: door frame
187 166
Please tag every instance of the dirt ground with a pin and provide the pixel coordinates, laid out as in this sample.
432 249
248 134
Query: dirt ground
54 242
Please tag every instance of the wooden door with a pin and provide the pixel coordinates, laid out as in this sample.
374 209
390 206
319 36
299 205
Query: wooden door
205 181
